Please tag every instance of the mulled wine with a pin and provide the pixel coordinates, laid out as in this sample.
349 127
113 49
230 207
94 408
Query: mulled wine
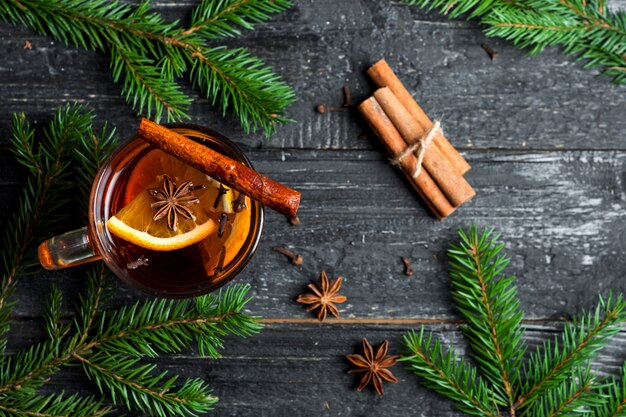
168 228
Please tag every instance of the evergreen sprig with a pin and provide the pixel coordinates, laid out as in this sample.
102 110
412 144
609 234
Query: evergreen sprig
111 346
587 28
556 380
219 19
53 405
47 162
490 303
552 365
148 55
614 394
576 396
444 373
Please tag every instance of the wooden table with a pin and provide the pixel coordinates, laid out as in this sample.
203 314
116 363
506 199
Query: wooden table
546 140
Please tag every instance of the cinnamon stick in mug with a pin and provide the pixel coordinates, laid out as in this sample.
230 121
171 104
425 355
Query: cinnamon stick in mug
451 182
383 76
390 137
226 170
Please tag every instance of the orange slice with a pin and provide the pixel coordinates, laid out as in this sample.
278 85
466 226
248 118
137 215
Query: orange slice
155 163
239 232
135 224
235 234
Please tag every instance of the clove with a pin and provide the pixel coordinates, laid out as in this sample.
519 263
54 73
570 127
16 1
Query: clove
408 269
347 103
240 203
220 193
493 54
222 224
295 258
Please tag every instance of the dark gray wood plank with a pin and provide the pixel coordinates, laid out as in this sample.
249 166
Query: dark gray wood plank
561 213
299 369
515 102
559 206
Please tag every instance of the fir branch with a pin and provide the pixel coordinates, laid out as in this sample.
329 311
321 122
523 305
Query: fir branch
555 381
575 395
490 306
614 394
87 24
89 155
23 145
55 405
52 315
171 326
455 8
588 29
147 54
146 328
241 82
23 372
90 303
223 18
47 165
136 386
227 300
146 88
580 341
446 374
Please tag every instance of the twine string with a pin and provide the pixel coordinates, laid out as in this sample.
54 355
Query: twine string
419 148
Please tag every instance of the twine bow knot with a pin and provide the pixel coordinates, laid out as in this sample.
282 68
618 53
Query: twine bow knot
419 147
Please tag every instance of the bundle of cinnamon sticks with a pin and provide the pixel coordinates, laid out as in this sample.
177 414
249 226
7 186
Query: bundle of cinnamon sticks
400 122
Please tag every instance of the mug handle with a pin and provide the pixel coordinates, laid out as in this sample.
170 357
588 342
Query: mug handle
69 249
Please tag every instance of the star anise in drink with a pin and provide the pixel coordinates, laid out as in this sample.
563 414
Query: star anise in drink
172 201
324 297
373 366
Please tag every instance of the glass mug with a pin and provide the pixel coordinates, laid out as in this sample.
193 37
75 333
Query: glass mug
137 167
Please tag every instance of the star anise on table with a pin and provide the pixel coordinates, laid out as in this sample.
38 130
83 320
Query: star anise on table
324 297
374 366
172 200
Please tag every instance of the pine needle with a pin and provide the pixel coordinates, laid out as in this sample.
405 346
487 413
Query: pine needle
556 380
447 375
39 208
490 306
581 340
614 395
586 28
148 55
219 19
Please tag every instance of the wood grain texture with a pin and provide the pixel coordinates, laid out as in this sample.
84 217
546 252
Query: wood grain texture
520 102
561 214
300 370
545 139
